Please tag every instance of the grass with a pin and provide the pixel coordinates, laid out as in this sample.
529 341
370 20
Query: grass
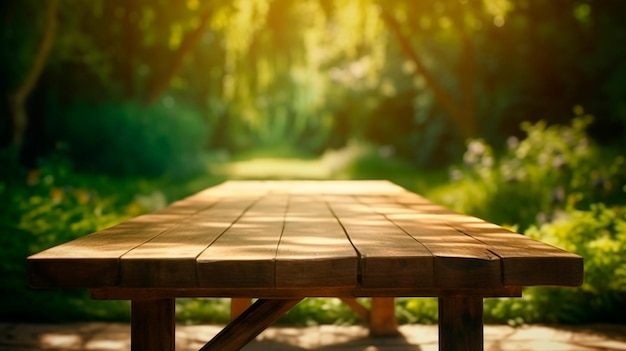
273 168
355 161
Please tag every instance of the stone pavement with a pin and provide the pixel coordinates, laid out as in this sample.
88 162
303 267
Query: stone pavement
115 336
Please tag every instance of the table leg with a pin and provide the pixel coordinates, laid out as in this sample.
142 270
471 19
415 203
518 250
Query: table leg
382 318
152 326
460 323
249 324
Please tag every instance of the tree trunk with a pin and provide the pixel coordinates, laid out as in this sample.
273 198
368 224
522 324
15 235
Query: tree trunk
460 112
161 82
17 100
130 42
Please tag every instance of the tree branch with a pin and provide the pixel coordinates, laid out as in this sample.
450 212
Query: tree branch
456 111
160 83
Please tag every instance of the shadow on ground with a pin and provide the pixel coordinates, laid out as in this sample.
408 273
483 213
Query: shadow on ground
116 336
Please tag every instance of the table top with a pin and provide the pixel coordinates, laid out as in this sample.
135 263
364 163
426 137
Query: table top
305 235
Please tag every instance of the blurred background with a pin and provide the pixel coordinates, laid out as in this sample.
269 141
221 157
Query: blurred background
510 110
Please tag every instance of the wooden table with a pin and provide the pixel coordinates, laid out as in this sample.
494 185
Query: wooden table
282 241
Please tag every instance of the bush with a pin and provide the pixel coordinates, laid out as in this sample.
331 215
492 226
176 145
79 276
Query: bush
54 206
131 139
554 168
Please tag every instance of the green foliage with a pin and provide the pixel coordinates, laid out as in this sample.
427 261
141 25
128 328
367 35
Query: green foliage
131 139
320 311
261 76
553 169
200 310
363 160
22 40
417 310
56 205
341 74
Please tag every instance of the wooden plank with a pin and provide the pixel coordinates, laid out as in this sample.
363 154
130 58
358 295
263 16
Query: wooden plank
169 259
461 261
273 293
389 257
461 324
152 325
401 238
244 255
314 251
249 324
93 260
525 261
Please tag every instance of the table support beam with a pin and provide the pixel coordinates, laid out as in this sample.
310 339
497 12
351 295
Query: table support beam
250 323
152 325
461 323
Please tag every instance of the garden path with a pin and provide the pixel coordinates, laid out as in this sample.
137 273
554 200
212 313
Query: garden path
116 336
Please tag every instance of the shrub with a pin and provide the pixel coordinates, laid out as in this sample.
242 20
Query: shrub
53 208
554 168
131 139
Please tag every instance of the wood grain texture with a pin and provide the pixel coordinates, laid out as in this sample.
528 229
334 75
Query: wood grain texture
169 259
460 261
93 260
314 251
382 317
244 255
525 261
249 324
238 305
389 257
152 325
310 237
290 293
461 324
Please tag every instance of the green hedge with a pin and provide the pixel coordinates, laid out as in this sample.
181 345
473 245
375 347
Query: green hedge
132 139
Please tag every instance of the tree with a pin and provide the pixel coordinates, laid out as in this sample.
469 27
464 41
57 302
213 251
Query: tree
460 108
161 81
17 99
